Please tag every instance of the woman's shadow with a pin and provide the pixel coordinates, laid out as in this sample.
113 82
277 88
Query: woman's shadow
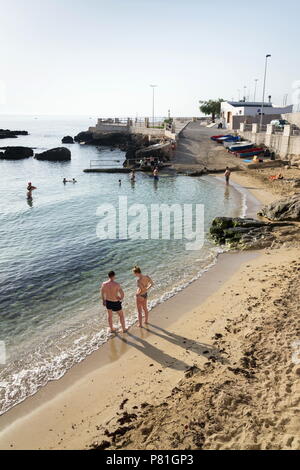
165 359
154 353
201 349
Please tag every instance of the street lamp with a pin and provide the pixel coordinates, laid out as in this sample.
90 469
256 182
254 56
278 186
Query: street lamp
264 90
255 89
153 109
245 91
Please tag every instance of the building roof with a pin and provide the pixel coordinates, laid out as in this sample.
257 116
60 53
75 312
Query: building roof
249 104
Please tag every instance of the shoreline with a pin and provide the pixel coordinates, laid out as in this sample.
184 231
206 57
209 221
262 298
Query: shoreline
56 414
226 265
182 285
56 394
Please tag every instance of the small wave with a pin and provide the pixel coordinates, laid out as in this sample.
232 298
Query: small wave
29 380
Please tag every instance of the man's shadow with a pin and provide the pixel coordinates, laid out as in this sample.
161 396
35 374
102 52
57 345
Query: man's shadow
154 353
201 349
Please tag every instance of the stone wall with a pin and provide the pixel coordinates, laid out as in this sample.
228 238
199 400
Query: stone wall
283 143
131 126
292 118
267 118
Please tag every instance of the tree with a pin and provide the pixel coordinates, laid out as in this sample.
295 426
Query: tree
211 107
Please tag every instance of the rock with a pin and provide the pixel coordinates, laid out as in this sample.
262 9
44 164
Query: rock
246 233
84 137
102 446
16 153
129 143
284 209
7 134
68 140
59 154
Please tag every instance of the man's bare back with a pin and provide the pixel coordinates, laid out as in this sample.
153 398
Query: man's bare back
112 291
112 296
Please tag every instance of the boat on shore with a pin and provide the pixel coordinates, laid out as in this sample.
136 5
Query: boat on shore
255 149
241 146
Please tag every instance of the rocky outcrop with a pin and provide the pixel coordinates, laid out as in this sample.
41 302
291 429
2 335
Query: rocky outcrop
16 153
284 209
7 134
160 151
129 143
84 137
59 154
68 140
249 233
108 139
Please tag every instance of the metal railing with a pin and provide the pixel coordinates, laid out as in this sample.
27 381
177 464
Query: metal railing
102 163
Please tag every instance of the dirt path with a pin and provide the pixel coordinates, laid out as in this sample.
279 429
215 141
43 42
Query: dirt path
196 150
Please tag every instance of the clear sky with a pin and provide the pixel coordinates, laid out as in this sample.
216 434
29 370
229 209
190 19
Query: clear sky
96 57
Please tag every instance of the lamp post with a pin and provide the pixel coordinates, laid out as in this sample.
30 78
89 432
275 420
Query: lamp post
264 90
255 89
245 91
153 108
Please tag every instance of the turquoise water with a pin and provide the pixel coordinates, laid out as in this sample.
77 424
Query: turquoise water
52 263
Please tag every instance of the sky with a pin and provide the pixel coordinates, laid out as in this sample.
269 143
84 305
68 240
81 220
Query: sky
98 58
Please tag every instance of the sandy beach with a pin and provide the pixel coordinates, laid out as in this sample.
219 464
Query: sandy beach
217 368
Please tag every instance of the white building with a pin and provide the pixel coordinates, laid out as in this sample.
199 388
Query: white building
235 112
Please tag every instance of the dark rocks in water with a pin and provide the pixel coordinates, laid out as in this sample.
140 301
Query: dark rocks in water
245 233
59 154
7 134
109 139
84 137
284 209
129 143
68 140
16 153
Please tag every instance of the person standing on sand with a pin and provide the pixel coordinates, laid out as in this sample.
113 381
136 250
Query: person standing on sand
144 283
112 296
227 175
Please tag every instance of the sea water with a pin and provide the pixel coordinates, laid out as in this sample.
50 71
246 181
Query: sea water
52 263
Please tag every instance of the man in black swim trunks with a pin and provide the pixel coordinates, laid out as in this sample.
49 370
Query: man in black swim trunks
112 296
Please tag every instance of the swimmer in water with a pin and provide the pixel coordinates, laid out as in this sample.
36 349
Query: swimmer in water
132 176
30 188
156 174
